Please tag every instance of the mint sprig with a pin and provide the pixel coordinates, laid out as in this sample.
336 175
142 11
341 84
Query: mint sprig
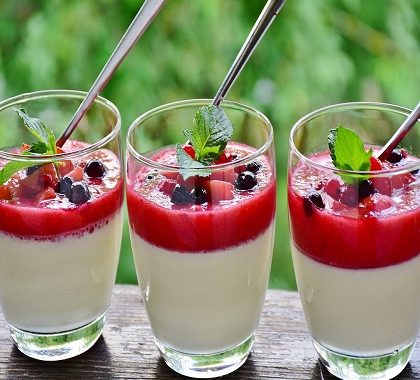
44 145
348 153
211 131
190 167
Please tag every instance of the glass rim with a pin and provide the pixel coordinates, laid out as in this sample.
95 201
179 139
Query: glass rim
198 103
378 106
63 94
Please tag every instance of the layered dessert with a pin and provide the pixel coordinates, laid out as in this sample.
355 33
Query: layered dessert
60 231
202 247
356 253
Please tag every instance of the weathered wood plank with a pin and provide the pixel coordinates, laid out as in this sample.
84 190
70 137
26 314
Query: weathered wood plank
126 351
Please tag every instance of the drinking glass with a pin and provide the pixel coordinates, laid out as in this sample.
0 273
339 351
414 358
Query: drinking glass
355 241
202 261
60 225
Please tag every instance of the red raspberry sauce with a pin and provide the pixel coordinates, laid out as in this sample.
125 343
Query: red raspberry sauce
352 241
201 228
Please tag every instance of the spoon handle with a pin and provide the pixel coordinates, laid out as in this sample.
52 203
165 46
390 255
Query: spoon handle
270 11
400 133
143 19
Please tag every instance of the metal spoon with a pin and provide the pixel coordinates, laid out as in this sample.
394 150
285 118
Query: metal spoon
143 19
270 11
400 133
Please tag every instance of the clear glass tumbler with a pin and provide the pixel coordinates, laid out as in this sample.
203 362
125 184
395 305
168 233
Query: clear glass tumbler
202 247
60 224
355 241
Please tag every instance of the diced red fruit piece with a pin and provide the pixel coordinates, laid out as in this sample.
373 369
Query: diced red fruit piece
375 164
167 187
349 196
189 150
333 188
398 181
231 157
76 174
5 193
382 185
45 176
47 193
223 159
190 182
64 167
171 175
239 169
378 202
227 175
24 148
218 190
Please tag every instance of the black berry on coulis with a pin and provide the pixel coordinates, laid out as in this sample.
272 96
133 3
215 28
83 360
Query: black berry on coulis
246 180
199 195
181 196
64 186
253 166
396 156
316 198
79 193
366 188
95 169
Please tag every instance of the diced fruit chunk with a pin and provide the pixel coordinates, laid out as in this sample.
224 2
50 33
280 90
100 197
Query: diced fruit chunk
79 193
189 150
218 190
227 175
76 174
5 193
46 194
378 202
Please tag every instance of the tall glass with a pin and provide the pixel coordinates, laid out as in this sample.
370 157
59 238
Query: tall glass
202 261
60 225
355 244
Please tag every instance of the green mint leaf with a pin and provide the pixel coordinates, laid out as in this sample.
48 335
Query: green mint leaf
211 132
11 168
39 130
188 166
38 148
348 153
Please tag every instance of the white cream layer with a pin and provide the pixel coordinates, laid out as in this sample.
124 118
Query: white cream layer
204 302
362 312
55 286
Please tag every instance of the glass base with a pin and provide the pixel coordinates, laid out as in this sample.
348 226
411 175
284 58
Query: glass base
364 368
58 346
207 365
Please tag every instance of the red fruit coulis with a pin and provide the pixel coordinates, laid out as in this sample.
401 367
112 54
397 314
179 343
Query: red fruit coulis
203 228
378 231
55 218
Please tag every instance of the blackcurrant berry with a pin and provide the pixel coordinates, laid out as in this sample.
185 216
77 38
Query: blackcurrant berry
199 195
79 193
246 180
181 196
253 166
95 169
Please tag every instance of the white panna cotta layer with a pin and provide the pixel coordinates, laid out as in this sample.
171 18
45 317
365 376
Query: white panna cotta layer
55 286
360 312
201 303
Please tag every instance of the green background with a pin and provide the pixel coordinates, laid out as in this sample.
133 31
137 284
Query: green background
317 52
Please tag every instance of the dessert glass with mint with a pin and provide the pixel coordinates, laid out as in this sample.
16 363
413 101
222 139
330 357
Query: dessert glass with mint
201 196
355 223
60 225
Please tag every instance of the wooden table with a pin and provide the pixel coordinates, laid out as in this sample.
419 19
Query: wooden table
126 350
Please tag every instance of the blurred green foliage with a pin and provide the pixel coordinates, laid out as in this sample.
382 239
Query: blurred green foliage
316 53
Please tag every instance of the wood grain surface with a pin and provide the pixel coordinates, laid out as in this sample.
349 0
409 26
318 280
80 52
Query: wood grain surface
126 350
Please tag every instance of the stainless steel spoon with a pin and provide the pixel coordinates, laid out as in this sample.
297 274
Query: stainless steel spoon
400 133
270 11
143 19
